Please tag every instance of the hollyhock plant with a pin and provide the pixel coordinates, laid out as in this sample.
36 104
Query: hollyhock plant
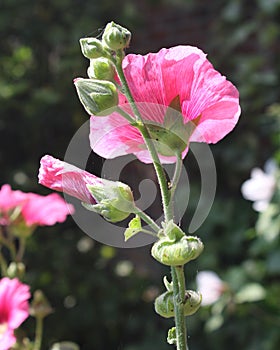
181 78
14 306
33 208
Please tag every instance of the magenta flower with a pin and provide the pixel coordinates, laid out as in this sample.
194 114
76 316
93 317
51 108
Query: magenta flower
13 309
33 208
182 74
63 177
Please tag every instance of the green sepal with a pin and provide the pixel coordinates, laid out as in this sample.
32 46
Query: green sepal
134 227
172 137
171 336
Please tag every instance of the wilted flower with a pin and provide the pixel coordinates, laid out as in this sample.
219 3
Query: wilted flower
32 208
261 186
181 78
210 286
13 309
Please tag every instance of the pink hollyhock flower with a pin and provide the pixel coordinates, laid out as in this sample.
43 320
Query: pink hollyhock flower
210 286
64 177
205 98
13 309
33 208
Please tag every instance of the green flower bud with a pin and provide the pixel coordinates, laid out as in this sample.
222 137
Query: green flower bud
192 302
65 345
16 269
102 69
97 95
175 248
164 304
116 37
114 200
92 48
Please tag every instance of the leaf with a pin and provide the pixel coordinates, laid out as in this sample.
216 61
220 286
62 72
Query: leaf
171 337
134 227
249 293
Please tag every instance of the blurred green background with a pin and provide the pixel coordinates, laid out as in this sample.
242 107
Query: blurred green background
103 297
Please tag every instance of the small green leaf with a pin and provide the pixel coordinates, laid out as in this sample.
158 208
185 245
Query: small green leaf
134 227
171 337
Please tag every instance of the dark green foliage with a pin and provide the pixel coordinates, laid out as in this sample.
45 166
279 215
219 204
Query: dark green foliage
40 112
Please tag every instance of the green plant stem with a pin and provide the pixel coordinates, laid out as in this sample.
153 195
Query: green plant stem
145 217
179 288
3 264
21 249
177 272
38 333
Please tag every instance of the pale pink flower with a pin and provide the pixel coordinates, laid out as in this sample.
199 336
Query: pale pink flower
206 99
33 208
64 177
210 286
261 187
13 309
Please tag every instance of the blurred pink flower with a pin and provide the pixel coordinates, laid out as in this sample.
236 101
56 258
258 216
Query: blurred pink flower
64 177
34 208
210 286
13 309
206 99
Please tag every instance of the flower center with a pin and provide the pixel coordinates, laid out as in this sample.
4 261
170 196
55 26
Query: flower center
3 329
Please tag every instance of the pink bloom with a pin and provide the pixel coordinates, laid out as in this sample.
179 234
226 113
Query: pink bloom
13 309
34 208
210 286
64 177
206 99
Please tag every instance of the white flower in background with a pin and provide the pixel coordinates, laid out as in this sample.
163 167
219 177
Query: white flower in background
261 186
210 286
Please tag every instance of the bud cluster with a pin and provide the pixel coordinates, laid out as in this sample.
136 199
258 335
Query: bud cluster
99 93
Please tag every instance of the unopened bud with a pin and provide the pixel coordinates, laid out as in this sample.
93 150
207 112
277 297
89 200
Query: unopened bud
114 200
102 69
40 307
175 248
97 96
16 269
92 48
116 37
164 304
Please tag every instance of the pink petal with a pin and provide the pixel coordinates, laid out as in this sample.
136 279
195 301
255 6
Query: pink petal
13 302
61 176
46 210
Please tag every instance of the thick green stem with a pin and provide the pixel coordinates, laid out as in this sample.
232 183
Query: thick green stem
149 144
38 333
177 271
